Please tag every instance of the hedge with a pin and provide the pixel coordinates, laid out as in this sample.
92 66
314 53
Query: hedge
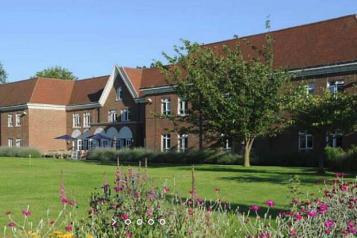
19 152
139 154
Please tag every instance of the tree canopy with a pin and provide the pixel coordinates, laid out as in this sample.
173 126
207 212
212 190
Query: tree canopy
324 114
56 72
3 74
230 96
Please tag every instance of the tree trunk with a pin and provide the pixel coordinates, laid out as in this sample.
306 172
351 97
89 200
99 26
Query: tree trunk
200 131
248 143
322 140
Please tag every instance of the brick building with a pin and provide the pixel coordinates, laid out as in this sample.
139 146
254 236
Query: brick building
122 106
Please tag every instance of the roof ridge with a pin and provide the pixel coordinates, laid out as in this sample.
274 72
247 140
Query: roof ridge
283 29
96 77
33 89
19 81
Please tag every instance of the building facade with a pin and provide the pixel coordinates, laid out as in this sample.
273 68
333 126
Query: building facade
123 107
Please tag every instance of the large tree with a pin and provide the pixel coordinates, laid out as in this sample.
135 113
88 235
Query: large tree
3 74
56 72
230 95
324 114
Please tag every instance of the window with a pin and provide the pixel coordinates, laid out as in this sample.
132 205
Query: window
334 139
119 94
76 120
182 144
182 107
18 142
228 144
310 88
166 106
86 119
125 114
112 116
10 142
305 141
9 121
79 145
335 86
18 120
165 142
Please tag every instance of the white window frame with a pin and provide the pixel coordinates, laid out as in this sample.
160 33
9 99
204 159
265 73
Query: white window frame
10 142
166 106
305 147
18 142
17 120
310 88
86 120
10 122
227 145
182 107
112 116
334 85
165 142
76 120
119 93
333 136
125 114
182 142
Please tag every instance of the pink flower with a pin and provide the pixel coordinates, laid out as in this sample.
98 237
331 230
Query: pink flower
151 195
69 228
344 187
312 213
137 195
270 203
264 234
293 232
11 225
124 216
128 234
254 208
327 232
329 223
149 212
298 217
26 213
323 208
118 188
351 227
166 189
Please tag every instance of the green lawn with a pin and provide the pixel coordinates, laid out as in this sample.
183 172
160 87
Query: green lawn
36 183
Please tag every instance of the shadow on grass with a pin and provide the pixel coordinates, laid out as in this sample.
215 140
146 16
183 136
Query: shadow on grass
234 208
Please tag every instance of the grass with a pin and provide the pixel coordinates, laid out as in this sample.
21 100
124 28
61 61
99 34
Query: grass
35 182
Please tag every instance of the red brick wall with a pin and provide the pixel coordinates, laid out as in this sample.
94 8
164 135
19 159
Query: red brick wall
44 126
21 132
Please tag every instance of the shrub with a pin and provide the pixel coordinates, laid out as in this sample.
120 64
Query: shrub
139 154
340 160
306 158
19 152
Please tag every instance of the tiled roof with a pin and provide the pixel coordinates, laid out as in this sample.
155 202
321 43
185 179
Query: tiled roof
88 90
52 91
322 43
16 93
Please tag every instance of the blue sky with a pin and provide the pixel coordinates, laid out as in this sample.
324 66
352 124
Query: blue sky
90 36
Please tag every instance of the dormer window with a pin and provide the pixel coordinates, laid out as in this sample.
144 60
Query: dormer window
119 94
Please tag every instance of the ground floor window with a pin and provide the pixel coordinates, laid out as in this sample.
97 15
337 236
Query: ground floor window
334 139
79 145
305 141
165 142
10 142
18 142
182 144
